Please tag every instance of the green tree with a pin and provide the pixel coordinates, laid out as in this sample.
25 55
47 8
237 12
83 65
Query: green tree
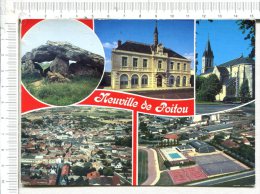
79 171
209 89
248 29
244 91
143 127
199 81
164 131
108 171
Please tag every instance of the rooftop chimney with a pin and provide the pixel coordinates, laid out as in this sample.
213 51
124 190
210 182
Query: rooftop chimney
119 43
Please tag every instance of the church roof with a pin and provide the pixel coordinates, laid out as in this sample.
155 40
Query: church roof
208 51
222 70
223 67
240 60
145 48
209 70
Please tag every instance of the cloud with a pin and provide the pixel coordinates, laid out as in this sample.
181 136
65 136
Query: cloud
189 56
110 45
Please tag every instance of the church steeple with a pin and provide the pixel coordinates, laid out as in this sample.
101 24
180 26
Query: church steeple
155 35
208 51
207 58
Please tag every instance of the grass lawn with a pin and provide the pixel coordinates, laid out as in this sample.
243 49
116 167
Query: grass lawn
142 166
61 94
165 180
160 161
245 182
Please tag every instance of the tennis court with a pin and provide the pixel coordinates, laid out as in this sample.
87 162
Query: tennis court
217 164
185 175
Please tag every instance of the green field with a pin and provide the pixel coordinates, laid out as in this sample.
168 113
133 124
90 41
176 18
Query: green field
245 182
61 93
165 180
160 161
142 166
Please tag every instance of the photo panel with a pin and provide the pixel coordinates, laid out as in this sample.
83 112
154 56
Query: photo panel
76 146
225 64
214 150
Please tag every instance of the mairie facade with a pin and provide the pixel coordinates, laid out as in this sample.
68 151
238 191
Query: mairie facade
138 66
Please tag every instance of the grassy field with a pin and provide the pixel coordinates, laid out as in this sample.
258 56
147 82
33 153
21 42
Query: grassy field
61 93
142 166
160 161
245 182
165 180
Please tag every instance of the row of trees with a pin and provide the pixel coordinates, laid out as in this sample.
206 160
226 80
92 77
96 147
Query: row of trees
169 143
208 87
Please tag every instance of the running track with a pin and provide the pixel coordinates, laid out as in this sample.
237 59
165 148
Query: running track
153 168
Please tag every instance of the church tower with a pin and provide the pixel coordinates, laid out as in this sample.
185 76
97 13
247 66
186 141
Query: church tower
155 36
207 58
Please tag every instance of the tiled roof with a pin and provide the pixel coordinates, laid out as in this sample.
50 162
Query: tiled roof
171 136
237 61
145 48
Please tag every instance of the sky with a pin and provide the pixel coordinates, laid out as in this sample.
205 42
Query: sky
226 39
71 31
177 35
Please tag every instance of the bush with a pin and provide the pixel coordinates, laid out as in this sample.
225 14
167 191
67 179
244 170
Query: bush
208 88
231 99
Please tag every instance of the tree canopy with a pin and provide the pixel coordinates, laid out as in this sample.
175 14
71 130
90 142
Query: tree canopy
209 88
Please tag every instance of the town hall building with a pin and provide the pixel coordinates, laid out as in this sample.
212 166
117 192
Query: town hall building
138 66
231 74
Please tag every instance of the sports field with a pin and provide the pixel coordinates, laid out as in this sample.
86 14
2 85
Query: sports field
142 166
165 180
217 164
185 175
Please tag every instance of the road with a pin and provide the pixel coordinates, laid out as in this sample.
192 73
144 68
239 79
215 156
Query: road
223 179
153 167
211 108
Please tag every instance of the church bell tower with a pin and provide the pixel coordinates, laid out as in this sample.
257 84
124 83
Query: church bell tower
207 58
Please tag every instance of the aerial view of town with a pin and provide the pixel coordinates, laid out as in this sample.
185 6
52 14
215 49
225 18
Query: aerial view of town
76 146
206 150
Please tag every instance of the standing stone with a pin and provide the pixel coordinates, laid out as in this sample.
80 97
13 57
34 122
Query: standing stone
59 65
28 68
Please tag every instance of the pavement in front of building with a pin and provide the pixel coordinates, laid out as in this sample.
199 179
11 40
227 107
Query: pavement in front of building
167 94
212 108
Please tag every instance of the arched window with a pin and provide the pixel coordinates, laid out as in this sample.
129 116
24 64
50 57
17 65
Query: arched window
134 80
123 81
144 80
171 80
184 81
184 66
178 81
